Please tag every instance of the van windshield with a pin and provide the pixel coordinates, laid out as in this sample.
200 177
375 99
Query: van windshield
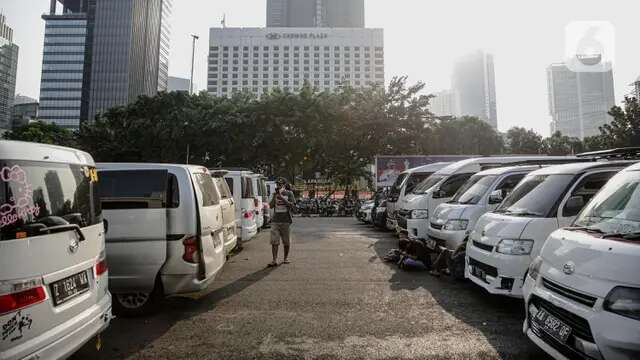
427 184
536 195
397 185
616 208
474 189
37 195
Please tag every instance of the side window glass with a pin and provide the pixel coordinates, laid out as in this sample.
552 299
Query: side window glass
508 183
230 183
584 191
450 186
173 194
207 188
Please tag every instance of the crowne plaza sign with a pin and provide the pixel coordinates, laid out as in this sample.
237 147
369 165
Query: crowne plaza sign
277 36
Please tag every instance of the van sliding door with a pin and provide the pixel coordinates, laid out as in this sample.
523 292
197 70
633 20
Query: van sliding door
134 205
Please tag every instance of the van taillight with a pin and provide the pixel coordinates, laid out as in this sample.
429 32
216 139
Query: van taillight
266 206
248 214
101 265
190 250
20 300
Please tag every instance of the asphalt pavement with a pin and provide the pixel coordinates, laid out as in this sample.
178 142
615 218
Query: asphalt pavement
336 300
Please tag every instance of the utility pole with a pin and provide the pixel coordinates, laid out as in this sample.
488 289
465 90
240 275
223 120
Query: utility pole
193 58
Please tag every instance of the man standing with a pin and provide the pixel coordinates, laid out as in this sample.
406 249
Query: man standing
282 203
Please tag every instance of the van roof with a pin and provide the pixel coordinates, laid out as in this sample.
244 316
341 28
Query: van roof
576 168
136 166
239 173
433 167
497 160
634 167
21 150
510 169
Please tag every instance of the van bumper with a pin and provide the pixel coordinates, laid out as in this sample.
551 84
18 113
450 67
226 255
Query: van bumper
184 284
417 228
230 242
78 330
248 232
448 238
503 274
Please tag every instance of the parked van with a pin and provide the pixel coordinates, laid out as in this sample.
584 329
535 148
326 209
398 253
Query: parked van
442 186
504 242
585 281
228 206
271 189
266 208
403 187
165 232
258 206
451 222
241 187
54 293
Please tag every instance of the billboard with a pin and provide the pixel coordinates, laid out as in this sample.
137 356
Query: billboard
388 167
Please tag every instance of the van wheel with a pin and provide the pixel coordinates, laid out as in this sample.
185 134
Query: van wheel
139 303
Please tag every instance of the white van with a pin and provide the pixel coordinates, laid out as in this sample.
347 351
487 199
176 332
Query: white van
442 186
405 185
241 187
257 195
504 242
266 208
165 232
586 280
228 206
54 293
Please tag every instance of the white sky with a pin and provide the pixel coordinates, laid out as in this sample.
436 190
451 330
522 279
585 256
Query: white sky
422 40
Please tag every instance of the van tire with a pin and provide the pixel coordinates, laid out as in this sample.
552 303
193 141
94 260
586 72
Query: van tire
134 305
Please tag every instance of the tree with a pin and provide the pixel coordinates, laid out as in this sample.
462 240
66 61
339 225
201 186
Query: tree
523 141
464 136
44 133
558 144
624 129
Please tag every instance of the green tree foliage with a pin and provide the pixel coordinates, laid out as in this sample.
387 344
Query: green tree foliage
523 141
558 144
464 136
42 132
624 129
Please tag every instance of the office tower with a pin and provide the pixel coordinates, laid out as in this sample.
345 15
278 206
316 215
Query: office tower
101 53
259 60
579 101
179 84
315 13
8 71
24 111
445 103
473 83
636 88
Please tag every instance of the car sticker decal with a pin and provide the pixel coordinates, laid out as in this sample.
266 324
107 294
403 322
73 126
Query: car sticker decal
15 327
19 206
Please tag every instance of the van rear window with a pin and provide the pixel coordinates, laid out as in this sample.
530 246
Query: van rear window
247 188
230 184
223 187
38 195
138 189
207 188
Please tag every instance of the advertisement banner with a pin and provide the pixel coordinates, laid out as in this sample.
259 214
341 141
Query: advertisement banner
388 167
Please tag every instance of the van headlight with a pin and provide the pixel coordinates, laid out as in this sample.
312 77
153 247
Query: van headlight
624 301
534 268
514 247
419 214
456 225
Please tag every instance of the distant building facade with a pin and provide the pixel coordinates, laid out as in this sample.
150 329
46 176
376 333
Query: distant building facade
8 71
636 88
579 102
24 111
101 53
179 84
262 59
445 103
315 13
473 83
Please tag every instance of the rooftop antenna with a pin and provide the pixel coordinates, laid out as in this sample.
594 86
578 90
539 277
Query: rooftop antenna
224 21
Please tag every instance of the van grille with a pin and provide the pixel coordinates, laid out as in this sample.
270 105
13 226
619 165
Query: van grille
568 293
488 269
436 226
482 246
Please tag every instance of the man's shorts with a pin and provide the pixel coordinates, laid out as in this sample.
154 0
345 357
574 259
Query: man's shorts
280 231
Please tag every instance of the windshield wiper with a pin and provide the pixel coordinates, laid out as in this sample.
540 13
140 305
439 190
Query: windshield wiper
63 228
627 236
586 229
523 213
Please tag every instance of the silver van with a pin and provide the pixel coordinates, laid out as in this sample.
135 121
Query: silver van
228 206
54 293
165 232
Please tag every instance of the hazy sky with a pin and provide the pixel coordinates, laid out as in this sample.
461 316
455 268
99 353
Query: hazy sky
422 40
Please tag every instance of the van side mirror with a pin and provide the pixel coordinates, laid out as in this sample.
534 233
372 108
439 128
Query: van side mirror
106 225
573 206
495 197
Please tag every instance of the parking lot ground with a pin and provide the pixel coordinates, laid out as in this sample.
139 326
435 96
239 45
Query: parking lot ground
336 300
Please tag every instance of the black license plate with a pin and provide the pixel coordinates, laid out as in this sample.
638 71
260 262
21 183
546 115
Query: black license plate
479 273
552 326
68 288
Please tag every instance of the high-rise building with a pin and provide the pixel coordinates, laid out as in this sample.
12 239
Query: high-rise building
636 88
579 101
24 111
179 84
262 59
8 71
445 103
315 13
474 85
101 53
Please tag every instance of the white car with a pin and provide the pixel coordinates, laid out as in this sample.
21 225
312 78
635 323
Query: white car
582 293
54 293
442 186
364 213
503 242
228 206
166 233
241 187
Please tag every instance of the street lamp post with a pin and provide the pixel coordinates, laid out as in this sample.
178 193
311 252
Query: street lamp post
193 57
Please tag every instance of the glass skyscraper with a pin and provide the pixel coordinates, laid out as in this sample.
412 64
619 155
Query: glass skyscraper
315 13
102 53
474 87
8 69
